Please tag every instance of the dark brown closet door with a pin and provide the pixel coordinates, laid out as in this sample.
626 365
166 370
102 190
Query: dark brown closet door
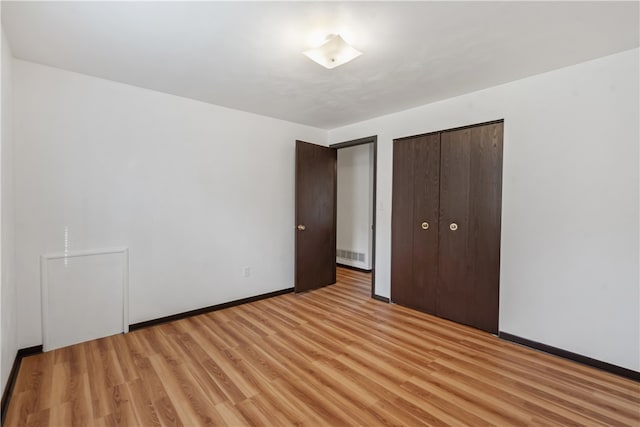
470 206
402 222
414 246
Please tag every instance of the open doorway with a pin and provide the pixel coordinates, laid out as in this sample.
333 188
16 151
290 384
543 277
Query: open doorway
356 213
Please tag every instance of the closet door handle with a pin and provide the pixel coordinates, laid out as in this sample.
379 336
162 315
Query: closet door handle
424 225
453 226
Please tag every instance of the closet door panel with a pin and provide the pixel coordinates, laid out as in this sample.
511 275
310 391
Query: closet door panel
454 298
426 188
470 203
485 208
402 291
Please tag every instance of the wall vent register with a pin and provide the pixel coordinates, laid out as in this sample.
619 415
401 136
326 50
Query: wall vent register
350 255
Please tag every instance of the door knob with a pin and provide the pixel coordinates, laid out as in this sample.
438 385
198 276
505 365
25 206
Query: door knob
453 226
424 225
301 227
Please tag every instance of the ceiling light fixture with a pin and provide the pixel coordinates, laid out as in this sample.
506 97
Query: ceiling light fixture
333 52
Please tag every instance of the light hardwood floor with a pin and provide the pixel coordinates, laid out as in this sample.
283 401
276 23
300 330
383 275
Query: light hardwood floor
328 357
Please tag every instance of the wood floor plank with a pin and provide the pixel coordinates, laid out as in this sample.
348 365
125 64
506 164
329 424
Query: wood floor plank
329 357
144 409
60 415
122 412
38 419
253 415
192 405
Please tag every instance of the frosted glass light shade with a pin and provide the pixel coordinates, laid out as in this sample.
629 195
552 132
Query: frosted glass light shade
333 52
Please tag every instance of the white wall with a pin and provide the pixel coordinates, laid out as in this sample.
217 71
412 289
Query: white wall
195 191
355 203
8 330
569 268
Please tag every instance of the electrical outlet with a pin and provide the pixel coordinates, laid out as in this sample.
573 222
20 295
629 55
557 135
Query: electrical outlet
246 271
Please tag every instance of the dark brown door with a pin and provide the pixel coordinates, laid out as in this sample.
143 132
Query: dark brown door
315 243
414 244
470 212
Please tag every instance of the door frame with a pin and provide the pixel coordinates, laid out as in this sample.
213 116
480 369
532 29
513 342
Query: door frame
490 122
352 143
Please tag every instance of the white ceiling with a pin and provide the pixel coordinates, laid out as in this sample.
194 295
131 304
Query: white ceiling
248 55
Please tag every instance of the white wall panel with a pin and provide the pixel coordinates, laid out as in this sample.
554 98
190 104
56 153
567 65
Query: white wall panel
84 296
